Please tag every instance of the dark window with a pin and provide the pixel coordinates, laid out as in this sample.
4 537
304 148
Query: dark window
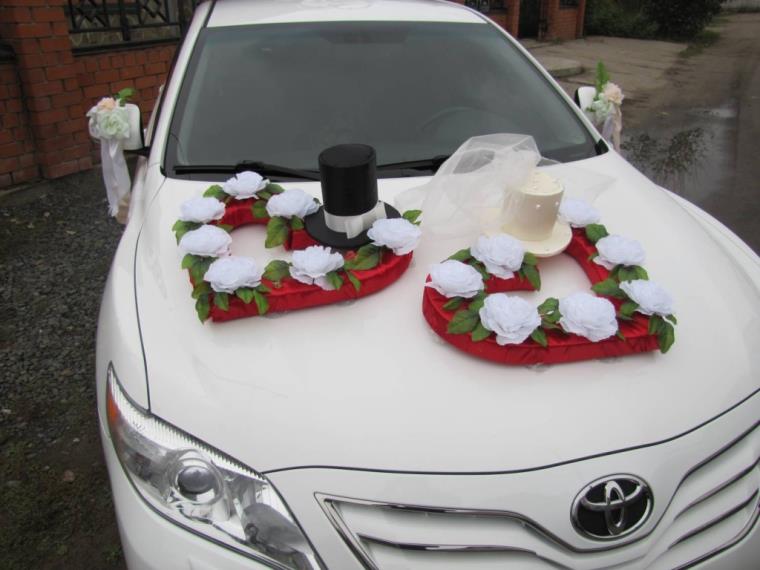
568 3
281 93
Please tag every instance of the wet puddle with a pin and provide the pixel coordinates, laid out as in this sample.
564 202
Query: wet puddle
695 162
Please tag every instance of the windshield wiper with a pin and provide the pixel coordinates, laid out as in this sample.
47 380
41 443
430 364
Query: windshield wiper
425 164
263 168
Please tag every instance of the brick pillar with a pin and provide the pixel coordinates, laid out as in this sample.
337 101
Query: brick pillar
580 22
38 31
513 17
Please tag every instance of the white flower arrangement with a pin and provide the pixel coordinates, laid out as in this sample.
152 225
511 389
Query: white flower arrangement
108 120
617 250
397 234
512 319
244 185
227 274
201 210
589 316
501 254
578 213
650 297
290 203
455 279
206 241
311 266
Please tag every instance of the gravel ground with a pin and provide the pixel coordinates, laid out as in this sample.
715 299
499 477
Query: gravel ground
56 247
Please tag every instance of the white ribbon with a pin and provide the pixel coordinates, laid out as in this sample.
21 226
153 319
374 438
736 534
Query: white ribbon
115 173
352 226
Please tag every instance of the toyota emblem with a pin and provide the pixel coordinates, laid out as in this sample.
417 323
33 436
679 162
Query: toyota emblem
612 507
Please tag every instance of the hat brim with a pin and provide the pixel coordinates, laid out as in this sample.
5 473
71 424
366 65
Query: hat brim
317 228
555 244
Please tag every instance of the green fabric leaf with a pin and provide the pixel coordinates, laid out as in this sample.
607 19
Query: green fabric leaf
277 232
477 303
656 325
226 227
548 306
453 304
461 255
630 273
367 257
259 209
530 259
608 288
412 216
480 333
539 336
666 337
245 294
464 321
189 260
263 195
672 319
296 223
263 289
215 191
180 228
274 188
124 95
354 281
222 300
261 302
532 275
334 279
277 270
595 232
627 309
202 308
198 270
620 335
202 288
640 272
480 269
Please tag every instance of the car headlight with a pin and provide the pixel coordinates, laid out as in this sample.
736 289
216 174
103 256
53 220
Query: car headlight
201 489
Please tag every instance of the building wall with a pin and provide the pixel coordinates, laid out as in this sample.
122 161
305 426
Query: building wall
17 156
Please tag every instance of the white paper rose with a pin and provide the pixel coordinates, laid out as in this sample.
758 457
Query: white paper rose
600 109
455 279
206 241
106 104
618 250
398 234
613 93
501 254
201 210
578 213
588 316
650 297
244 185
293 202
311 265
227 274
108 123
512 319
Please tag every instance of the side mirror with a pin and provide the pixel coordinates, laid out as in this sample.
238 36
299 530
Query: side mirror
135 144
584 96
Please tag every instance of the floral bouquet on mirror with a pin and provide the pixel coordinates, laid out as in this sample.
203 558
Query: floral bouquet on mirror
605 110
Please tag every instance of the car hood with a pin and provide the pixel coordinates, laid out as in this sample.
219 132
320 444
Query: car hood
367 384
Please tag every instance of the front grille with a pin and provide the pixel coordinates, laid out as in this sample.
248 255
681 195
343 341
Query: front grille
714 506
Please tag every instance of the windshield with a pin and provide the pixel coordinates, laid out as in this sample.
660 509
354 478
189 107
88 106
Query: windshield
281 93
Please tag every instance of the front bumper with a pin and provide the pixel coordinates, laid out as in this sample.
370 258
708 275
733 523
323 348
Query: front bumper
403 539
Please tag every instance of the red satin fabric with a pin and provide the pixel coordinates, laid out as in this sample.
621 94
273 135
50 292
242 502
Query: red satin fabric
561 347
498 285
240 213
295 295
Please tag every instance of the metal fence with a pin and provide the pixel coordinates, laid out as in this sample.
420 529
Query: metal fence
97 24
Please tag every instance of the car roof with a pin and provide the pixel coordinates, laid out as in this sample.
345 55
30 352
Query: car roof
246 12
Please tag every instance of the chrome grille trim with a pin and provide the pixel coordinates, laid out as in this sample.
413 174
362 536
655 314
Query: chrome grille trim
711 523
726 545
459 548
712 492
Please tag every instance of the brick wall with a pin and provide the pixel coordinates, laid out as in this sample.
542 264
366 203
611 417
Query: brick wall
50 88
563 23
17 156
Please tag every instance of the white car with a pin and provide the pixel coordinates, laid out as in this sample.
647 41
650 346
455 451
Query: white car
348 436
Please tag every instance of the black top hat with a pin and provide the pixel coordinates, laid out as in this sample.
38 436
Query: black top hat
349 188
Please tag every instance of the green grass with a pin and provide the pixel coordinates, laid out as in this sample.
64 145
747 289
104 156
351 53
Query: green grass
703 39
